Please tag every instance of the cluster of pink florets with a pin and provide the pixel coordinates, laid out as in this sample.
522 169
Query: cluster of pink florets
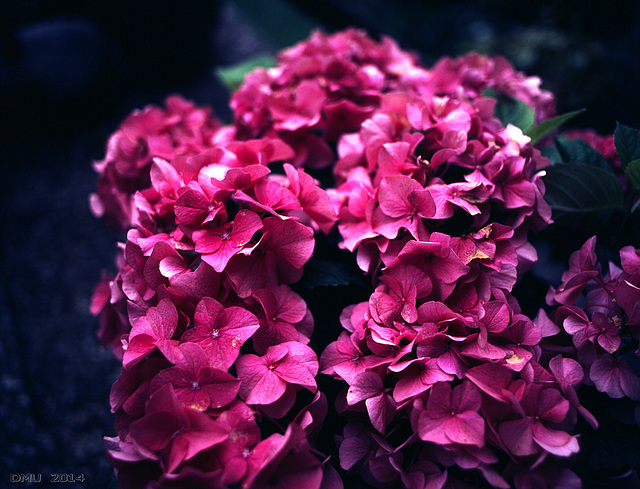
181 130
205 270
445 380
600 311
436 198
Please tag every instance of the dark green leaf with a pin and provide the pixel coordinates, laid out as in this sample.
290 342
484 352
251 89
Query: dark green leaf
511 111
233 76
536 133
580 152
632 172
552 153
627 141
572 187
321 273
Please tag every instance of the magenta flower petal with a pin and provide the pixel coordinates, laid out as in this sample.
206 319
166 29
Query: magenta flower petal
517 437
260 385
292 371
137 348
555 441
491 378
155 329
418 378
615 378
365 385
314 201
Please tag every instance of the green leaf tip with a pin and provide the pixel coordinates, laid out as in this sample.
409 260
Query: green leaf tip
627 142
510 110
233 76
537 132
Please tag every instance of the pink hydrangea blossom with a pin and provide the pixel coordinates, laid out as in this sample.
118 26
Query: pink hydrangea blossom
221 331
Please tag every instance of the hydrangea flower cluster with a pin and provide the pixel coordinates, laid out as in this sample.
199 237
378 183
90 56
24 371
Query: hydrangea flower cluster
442 368
601 313
328 85
181 129
210 334
443 381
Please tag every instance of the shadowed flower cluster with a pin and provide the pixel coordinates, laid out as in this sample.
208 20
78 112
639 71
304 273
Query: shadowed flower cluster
601 314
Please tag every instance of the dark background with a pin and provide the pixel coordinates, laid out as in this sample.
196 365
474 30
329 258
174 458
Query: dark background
70 71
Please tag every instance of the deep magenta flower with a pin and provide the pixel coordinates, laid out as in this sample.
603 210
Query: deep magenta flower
265 379
451 415
402 203
284 461
195 206
220 244
418 376
368 387
345 359
539 407
286 317
437 259
235 452
195 383
172 432
180 129
581 269
615 377
445 381
221 331
283 249
314 201
154 330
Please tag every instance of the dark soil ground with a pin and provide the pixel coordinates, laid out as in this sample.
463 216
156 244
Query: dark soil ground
70 73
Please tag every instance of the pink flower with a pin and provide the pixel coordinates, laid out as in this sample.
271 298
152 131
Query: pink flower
220 331
402 203
235 452
195 383
195 207
154 330
174 431
417 376
265 379
283 462
283 249
451 416
286 317
436 258
538 406
615 377
400 289
270 196
582 265
131 390
220 244
314 201
380 406
299 108
344 358
463 195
